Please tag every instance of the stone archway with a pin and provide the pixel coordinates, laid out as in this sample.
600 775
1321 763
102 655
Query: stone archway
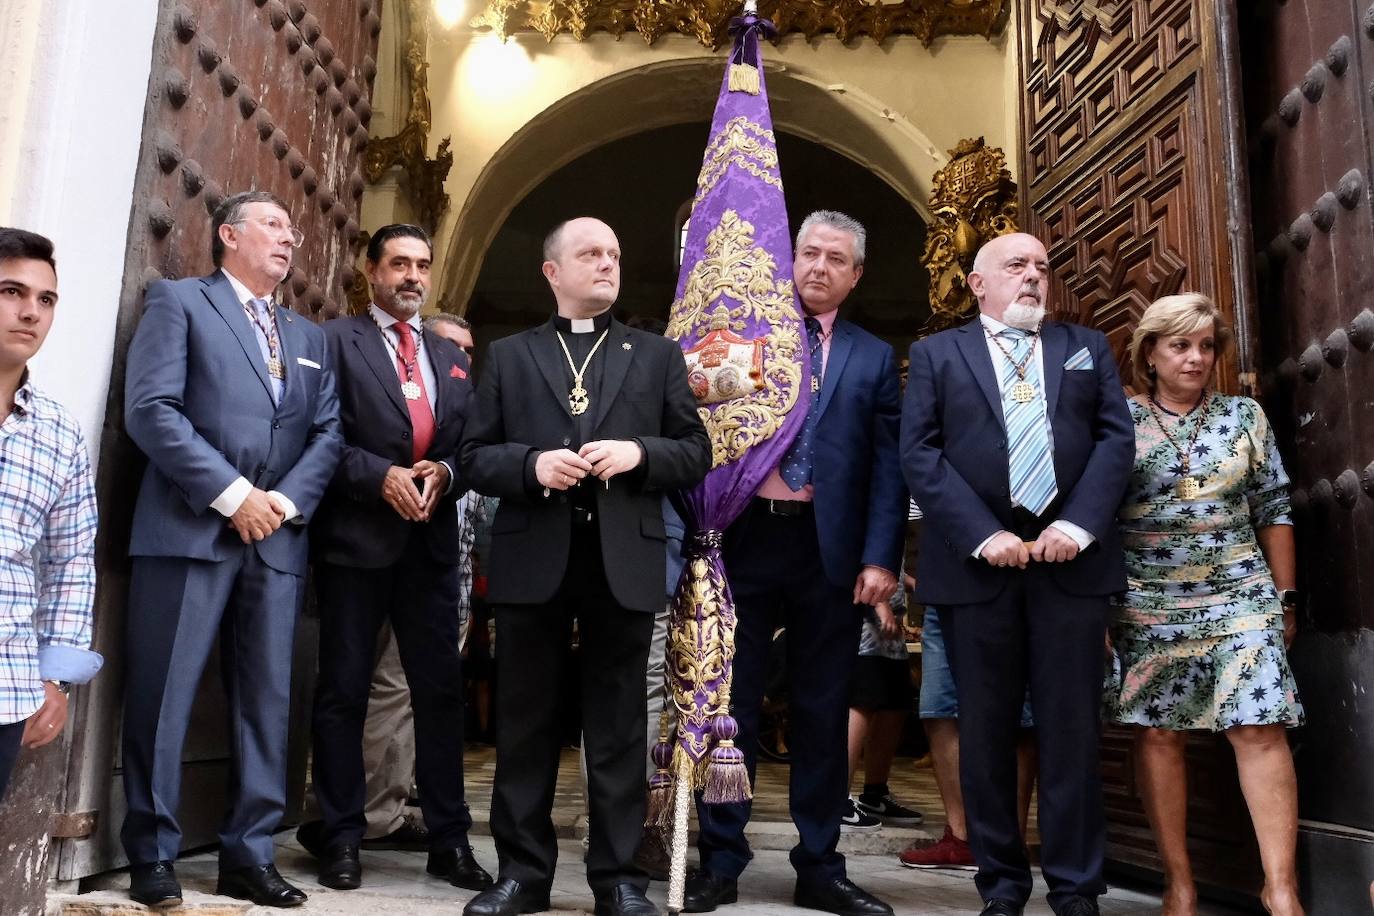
665 93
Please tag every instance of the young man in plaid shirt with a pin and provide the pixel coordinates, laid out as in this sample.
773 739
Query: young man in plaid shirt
47 518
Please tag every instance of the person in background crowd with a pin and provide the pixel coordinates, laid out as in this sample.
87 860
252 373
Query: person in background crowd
1201 631
232 399
47 517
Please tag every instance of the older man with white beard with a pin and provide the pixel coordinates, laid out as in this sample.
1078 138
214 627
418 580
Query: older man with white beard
1020 556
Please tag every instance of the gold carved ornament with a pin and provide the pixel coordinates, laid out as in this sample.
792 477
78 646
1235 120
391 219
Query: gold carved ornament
708 21
974 200
423 181
732 286
701 647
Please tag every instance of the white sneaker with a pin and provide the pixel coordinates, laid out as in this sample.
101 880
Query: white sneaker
853 820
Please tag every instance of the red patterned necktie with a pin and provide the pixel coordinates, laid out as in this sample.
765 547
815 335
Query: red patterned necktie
421 416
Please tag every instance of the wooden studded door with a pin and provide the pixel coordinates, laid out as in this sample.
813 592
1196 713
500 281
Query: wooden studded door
1129 173
270 94
1307 67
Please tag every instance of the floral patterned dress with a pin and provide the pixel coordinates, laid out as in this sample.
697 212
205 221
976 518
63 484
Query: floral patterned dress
1198 635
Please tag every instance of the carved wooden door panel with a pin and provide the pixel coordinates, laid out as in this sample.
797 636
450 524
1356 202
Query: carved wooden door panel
270 94
1310 122
1128 174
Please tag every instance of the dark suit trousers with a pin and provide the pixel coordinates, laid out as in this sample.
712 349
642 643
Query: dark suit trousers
177 607
776 576
420 598
9 751
531 650
1034 633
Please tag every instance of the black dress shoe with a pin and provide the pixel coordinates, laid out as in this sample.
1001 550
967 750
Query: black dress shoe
410 836
840 896
311 837
340 868
459 866
261 884
154 884
624 900
704 892
997 907
1078 906
508 897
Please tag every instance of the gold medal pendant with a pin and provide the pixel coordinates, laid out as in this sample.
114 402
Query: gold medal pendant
1189 488
577 401
1023 392
411 390
274 368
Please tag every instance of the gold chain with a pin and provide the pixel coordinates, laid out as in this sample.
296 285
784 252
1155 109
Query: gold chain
577 397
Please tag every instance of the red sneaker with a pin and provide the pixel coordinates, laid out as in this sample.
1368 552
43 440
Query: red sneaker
949 852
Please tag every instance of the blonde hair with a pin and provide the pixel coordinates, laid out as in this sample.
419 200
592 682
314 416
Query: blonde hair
1181 315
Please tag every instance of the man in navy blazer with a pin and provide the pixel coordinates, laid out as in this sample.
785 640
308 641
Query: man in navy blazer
232 400
822 537
386 547
1017 444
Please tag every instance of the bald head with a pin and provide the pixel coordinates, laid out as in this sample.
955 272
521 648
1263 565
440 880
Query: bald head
1009 279
582 265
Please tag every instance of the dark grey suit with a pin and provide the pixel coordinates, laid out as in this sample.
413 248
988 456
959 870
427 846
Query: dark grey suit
199 403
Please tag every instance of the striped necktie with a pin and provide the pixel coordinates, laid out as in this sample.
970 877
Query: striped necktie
1031 464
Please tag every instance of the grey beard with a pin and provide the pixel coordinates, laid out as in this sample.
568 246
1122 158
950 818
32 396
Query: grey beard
1024 317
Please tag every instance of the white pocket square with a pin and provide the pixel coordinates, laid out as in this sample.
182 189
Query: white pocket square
307 362
1080 360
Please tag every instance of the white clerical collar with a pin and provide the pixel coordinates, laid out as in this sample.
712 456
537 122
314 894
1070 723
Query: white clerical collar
582 325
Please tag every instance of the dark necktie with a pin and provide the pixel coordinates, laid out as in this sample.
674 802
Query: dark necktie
421 416
795 469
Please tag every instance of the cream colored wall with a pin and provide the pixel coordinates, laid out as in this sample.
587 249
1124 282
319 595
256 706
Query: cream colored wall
518 110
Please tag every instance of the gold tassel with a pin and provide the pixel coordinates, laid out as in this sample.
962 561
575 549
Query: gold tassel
727 778
659 812
744 78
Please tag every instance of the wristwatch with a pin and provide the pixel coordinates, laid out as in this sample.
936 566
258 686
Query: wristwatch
64 686
1289 597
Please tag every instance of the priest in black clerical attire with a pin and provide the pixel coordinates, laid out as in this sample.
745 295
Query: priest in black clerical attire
580 426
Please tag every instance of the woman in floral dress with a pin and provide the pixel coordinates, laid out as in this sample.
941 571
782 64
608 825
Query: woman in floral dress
1201 631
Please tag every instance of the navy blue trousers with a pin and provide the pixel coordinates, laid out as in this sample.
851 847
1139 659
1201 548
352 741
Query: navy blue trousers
177 608
774 566
1032 633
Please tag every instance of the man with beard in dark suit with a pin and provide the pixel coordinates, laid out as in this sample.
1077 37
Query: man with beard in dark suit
580 426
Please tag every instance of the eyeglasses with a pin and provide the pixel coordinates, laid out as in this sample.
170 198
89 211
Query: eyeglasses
276 226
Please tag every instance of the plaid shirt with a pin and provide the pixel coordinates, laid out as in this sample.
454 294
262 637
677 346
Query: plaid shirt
47 553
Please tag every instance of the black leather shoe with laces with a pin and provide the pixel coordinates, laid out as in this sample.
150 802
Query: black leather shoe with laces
262 884
704 892
154 884
460 867
340 868
840 896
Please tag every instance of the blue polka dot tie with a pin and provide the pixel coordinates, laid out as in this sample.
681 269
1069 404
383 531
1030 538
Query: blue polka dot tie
795 469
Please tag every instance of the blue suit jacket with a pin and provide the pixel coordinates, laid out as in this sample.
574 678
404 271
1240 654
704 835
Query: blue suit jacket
197 401
860 501
954 456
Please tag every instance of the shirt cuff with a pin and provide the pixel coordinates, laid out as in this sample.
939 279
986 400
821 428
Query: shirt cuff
452 478
978 551
68 663
1080 537
287 506
228 502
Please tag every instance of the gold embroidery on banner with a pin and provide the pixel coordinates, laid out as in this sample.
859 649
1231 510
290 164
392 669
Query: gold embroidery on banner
737 278
735 145
701 646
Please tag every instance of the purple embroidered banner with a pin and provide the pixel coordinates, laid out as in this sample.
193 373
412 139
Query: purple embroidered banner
740 328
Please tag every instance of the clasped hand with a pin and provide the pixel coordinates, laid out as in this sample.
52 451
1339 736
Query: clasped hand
560 469
413 503
1052 546
258 516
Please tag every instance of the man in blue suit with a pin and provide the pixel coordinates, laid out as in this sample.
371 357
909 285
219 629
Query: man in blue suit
1017 443
232 399
822 538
